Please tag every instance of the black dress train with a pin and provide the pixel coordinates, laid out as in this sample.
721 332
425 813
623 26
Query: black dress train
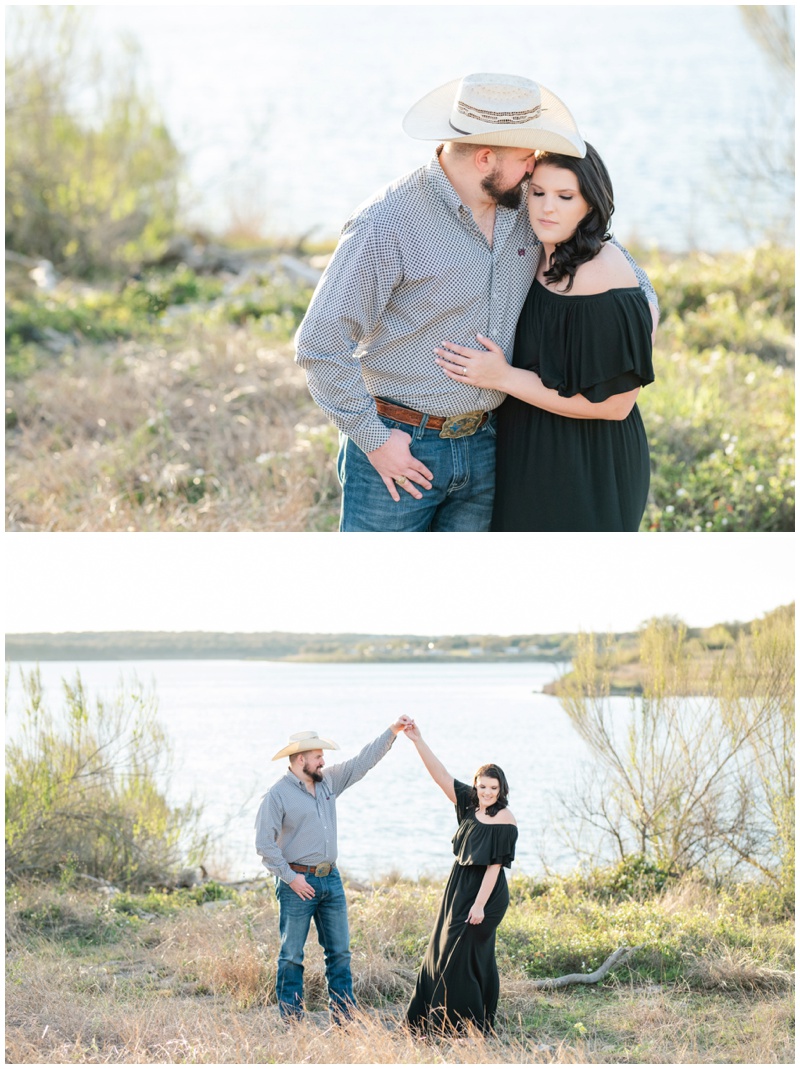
459 981
556 473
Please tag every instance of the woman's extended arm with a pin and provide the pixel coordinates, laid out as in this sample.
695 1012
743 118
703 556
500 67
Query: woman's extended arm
438 772
476 913
490 370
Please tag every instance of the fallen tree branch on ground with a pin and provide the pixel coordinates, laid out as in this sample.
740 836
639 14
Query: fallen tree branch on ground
587 978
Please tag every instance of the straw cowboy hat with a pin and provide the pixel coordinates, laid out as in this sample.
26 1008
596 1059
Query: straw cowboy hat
496 109
302 741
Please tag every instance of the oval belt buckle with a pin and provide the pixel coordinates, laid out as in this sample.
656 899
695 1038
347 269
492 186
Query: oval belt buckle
323 869
461 426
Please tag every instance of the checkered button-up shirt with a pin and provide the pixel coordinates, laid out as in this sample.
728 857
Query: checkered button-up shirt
412 270
295 826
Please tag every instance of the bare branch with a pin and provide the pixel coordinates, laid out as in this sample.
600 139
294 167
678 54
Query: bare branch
616 958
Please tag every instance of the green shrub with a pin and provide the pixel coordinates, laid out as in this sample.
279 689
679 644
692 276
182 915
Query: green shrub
85 791
720 415
92 193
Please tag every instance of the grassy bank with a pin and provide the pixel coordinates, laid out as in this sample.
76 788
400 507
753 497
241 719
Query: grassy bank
189 977
171 402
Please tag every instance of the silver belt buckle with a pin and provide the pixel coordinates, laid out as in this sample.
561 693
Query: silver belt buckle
461 426
323 869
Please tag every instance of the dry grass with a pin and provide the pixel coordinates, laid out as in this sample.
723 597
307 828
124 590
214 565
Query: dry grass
87 984
215 431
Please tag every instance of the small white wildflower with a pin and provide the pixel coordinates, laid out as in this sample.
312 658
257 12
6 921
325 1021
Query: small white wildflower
669 508
760 488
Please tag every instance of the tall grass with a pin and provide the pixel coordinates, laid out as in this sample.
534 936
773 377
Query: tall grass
176 978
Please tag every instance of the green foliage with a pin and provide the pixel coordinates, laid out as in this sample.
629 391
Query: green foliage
720 416
166 903
574 929
85 791
87 188
691 783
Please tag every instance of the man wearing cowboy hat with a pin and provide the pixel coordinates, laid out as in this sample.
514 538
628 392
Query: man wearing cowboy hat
296 838
446 252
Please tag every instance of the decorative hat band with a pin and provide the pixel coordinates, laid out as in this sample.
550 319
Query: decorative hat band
508 118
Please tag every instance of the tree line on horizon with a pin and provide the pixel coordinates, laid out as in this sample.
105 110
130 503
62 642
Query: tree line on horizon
279 645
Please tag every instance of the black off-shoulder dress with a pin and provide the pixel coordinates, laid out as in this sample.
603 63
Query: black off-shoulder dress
555 473
459 981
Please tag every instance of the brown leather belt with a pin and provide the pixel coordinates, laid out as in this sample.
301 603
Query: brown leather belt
448 426
313 870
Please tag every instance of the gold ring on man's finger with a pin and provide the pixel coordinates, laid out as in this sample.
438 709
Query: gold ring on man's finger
401 480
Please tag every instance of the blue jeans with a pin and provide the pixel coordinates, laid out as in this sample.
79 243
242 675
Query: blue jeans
461 498
329 910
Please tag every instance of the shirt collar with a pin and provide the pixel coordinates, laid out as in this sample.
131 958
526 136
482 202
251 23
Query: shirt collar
441 185
290 776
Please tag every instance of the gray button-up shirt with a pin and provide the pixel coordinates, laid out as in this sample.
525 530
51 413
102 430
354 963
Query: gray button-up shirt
295 826
412 270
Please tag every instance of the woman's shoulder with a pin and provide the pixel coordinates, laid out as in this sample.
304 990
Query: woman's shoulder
505 816
608 270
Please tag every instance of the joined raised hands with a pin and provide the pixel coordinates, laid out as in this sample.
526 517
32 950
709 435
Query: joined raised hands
412 731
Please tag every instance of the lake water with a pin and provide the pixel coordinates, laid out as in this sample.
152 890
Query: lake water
227 718
292 113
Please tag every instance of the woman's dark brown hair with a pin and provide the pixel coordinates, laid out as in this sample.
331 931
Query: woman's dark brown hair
492 772
592 231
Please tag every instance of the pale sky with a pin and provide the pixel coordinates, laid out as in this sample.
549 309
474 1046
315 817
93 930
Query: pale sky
389 584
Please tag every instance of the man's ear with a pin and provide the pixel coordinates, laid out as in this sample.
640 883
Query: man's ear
485 159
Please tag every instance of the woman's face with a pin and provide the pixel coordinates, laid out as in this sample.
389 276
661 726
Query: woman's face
555 203
488 790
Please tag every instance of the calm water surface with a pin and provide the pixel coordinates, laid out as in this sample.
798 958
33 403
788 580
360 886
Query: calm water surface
227 718
291 114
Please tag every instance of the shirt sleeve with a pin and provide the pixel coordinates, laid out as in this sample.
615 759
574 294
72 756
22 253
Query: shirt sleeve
268 825
345 310
463 793
342 776
641 276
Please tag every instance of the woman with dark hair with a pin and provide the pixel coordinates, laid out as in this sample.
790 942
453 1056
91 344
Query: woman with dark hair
572 451
458 983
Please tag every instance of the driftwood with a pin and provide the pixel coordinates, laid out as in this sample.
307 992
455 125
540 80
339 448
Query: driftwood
587 978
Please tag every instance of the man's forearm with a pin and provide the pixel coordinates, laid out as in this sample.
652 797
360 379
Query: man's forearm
350 772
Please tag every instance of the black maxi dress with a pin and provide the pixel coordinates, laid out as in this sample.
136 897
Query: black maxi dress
555 473
459 981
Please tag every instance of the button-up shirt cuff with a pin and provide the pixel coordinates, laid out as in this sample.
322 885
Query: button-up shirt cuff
372 437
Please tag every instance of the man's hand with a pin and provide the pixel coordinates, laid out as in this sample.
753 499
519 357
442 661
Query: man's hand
397 467
302 887
401 724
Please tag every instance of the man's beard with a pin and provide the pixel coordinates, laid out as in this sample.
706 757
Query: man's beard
315 776
506 198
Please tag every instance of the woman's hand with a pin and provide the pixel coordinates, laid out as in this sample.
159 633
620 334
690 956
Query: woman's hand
475 914
486 368
412 731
